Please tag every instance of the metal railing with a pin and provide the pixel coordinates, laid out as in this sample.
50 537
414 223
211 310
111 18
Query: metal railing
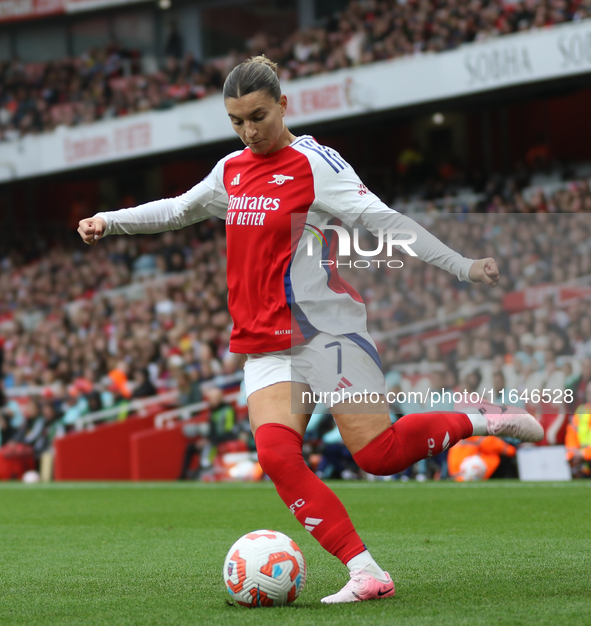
167 418
139 406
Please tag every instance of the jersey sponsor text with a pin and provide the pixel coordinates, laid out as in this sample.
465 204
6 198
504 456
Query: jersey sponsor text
253 203
244 218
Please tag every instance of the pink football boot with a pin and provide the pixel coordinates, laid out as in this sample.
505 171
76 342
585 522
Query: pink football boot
362 586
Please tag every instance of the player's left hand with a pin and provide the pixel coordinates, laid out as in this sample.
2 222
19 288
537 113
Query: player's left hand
484 271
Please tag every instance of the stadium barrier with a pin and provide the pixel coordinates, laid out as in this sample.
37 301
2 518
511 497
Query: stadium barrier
186 412
15 460
146 447
101 454
157 454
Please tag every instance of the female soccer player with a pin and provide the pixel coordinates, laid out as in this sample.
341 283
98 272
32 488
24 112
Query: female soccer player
302 326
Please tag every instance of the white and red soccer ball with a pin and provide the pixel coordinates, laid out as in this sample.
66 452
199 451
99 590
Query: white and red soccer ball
265 568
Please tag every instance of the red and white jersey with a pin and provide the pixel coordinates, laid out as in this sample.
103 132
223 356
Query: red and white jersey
279 292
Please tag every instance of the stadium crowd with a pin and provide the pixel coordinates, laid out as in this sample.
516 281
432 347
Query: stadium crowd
110 82
91 328
89 337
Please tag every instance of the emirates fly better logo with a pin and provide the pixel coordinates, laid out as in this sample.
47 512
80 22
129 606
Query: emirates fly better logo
387 237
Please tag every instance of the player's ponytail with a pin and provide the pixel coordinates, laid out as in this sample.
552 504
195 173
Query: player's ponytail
255 74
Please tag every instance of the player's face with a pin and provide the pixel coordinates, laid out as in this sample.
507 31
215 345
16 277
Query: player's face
258 120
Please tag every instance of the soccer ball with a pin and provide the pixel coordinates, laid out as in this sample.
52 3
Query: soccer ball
265 568
472 468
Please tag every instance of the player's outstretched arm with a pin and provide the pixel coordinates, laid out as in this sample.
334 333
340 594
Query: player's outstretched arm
206 199
92 229
484 271
340 192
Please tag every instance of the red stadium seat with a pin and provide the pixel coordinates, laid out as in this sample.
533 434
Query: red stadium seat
236 445
15 460
554 425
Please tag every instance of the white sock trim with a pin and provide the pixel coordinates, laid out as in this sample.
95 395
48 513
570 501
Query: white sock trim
365 562
479 424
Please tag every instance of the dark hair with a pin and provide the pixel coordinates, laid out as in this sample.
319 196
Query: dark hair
254 74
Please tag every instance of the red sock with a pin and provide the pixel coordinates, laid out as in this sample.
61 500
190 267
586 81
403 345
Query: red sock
412 438
315 506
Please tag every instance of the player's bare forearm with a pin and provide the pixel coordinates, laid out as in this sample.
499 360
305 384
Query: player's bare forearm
485 271
92 229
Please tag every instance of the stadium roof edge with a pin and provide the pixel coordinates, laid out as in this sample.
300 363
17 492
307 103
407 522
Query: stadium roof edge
30 10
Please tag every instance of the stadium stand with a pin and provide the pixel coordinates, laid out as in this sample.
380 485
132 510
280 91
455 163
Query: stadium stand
45 345
152 311
110 82
138 327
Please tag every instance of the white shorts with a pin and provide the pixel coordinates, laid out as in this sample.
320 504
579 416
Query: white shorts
337 368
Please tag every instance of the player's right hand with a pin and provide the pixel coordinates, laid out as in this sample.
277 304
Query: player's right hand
92 229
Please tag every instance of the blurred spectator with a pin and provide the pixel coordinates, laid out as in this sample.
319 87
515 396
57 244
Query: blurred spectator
539 155
74 407
54 426
143 385
410 162
11 417
221 427
578 437
580 385
477 458
33 431
174 41
119 382
173 257
331 458
189 386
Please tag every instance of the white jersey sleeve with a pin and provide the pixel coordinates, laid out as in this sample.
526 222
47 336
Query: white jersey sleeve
377 216
339 192
337 188
207 198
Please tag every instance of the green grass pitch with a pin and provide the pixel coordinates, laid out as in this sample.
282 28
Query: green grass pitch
118 554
